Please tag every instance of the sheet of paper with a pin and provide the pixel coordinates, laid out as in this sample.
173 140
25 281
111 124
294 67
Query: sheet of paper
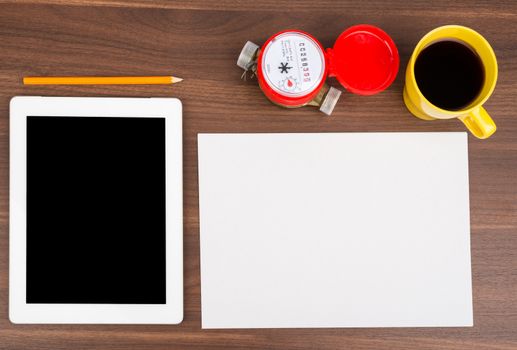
334 230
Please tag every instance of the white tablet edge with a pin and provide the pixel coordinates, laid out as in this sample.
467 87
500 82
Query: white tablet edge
19 310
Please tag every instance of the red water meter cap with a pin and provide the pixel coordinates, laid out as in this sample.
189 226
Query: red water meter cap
364 59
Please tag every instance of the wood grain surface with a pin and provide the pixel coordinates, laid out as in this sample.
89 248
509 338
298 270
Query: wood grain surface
200 40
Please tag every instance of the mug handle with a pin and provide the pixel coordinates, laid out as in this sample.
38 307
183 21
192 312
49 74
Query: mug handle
479 123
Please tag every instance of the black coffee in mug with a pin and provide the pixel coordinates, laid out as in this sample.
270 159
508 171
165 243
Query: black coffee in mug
449 74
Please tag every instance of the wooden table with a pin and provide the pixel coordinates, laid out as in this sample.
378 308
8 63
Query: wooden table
200 40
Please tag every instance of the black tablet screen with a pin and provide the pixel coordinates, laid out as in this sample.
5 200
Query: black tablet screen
95 210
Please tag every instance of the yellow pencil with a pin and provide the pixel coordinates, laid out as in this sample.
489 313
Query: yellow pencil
100 80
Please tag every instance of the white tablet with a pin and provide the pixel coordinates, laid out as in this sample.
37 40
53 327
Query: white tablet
96 210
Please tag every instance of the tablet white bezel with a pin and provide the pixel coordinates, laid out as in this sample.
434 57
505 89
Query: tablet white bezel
19 310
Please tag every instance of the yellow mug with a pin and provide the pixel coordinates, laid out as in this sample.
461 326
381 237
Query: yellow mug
474 116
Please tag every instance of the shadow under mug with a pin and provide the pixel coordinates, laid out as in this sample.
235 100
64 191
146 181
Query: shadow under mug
474 116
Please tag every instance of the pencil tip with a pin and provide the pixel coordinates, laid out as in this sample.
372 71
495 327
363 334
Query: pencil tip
176 80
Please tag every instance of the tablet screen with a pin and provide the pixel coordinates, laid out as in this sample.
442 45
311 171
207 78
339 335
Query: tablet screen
96 210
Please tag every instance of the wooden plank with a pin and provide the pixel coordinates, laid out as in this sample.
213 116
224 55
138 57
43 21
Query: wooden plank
499 8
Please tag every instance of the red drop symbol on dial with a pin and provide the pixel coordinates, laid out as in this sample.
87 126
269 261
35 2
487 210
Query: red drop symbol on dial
289 83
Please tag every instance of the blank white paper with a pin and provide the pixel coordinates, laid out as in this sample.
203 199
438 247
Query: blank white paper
334 230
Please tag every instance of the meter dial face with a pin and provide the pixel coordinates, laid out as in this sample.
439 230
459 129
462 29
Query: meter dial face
293 64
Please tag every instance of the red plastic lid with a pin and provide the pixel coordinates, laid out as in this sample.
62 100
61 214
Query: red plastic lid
364 59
